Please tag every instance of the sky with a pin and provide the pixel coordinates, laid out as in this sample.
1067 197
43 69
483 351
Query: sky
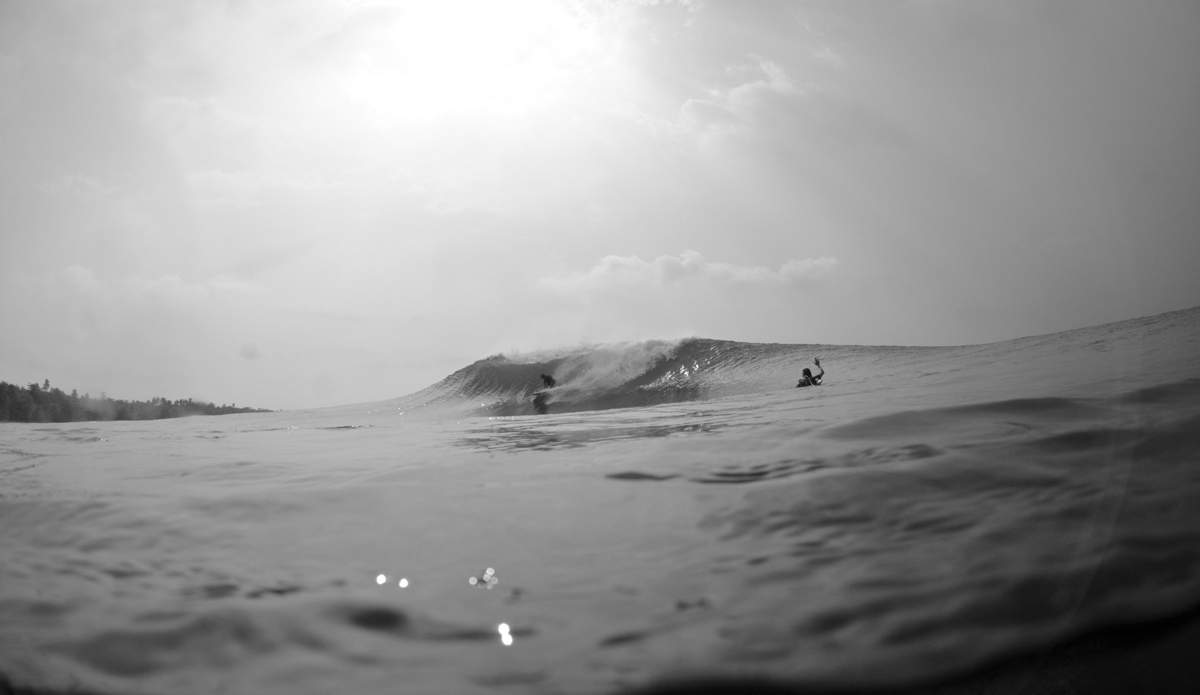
296 204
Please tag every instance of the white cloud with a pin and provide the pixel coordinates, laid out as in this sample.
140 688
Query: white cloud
165 289
245 189
721 109
617 272
87 188
809 269
82 279
830 57
795 109
206 132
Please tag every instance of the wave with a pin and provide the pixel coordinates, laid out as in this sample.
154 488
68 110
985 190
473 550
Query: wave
599 377
654 372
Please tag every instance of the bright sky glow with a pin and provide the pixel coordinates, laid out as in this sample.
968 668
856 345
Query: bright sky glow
294 204
480 58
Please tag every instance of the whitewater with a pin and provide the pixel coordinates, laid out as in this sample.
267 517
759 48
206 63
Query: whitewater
675 511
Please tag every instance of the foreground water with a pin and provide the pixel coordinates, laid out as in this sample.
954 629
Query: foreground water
679 511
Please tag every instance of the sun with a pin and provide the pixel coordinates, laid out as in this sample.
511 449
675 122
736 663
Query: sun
473 57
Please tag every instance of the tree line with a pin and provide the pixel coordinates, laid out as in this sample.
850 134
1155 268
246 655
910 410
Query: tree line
41 403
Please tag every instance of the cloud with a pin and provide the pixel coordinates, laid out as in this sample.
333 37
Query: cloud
830 57
689 268
721 110
82 279
165 289
207 132
88 188
247 189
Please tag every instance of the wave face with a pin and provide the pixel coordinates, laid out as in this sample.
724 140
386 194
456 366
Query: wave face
657 372
598 377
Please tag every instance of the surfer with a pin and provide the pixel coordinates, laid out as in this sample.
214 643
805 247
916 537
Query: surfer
810 379
541 402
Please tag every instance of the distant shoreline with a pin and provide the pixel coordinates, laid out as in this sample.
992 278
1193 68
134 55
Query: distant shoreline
43 403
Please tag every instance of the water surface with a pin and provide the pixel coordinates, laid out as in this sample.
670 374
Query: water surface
680 510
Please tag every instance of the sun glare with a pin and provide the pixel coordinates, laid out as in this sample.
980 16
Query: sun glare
474 57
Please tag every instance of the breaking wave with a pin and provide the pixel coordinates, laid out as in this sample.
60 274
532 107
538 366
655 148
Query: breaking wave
1086 362
592 377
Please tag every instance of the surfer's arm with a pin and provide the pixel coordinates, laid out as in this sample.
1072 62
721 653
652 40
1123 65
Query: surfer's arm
821 373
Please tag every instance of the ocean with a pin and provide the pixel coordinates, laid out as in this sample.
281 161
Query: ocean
677 511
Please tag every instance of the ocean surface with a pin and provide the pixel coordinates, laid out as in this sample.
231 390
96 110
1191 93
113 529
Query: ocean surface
678 511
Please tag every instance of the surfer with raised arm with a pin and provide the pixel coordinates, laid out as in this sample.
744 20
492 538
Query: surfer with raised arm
810 379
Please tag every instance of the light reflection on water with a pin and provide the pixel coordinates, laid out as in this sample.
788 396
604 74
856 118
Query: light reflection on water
487 580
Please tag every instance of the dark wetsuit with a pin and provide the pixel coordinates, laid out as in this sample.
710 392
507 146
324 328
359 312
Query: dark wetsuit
809 380
540 401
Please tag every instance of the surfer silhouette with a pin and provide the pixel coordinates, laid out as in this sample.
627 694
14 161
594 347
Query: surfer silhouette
810 379
540 401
